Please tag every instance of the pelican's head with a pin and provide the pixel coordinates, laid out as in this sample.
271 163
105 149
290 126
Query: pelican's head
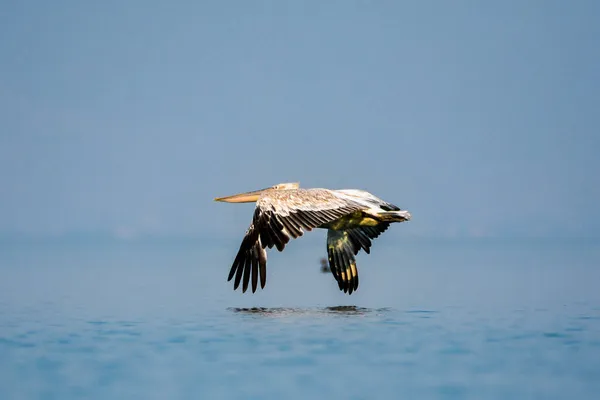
286 186
250 197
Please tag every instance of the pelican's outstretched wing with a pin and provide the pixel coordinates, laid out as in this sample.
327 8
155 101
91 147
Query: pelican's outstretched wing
342 246
279 216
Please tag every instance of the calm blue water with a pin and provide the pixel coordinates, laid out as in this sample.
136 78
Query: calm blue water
431 320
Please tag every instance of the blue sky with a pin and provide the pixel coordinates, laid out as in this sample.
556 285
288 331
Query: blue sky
128 118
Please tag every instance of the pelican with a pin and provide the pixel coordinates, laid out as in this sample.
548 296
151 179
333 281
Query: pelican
352 218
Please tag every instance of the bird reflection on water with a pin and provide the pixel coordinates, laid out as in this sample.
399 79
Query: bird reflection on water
280 311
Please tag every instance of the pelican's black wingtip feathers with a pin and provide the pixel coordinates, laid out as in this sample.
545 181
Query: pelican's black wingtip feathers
341 248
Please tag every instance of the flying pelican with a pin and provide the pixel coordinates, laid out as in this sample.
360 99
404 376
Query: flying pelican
352 219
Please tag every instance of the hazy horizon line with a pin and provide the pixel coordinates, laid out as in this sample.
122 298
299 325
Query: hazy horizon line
108 236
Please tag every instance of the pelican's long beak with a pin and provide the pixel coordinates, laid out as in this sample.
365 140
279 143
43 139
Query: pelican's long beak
248 197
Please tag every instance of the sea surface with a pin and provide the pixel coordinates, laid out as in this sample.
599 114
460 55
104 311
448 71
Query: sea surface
432 319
